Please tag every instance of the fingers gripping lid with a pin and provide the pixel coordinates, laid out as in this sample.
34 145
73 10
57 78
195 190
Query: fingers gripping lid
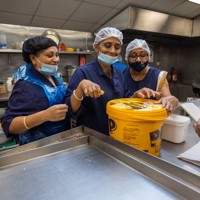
108 32
135 44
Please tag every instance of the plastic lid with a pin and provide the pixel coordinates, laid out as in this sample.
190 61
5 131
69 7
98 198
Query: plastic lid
174 119
132 108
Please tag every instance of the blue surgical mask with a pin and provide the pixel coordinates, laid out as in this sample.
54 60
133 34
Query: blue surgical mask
48 69
107 60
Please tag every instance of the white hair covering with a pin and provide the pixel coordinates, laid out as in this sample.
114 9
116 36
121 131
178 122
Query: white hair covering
135 44
108 32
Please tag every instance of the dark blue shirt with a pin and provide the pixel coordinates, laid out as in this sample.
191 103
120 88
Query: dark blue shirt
149 81
120 65
92 112
28 98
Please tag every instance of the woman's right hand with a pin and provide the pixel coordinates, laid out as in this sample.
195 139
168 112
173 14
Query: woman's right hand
90 89
56 112
85 88
146 93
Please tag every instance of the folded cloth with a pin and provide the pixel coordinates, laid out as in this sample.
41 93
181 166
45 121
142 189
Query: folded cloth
192 155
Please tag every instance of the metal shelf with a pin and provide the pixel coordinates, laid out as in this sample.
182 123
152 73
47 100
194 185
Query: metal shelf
77 52
10 51
60 52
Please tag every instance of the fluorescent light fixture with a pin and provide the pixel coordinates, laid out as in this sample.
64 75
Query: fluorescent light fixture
195 1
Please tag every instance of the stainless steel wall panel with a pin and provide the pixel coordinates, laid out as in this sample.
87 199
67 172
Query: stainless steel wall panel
74 39
151 21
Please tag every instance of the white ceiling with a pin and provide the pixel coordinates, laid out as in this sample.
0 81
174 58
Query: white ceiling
83 15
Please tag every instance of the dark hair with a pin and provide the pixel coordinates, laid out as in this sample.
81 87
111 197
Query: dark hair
34 45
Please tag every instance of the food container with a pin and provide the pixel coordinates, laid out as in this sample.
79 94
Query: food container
137 122
9 84
70 49
175 128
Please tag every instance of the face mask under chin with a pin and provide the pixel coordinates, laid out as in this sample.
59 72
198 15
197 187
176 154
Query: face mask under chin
138 66
107 60
47 69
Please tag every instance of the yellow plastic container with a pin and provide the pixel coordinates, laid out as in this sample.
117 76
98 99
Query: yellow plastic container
137 122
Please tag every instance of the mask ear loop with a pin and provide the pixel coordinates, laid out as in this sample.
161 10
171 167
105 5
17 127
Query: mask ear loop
38 60
35 65
96 49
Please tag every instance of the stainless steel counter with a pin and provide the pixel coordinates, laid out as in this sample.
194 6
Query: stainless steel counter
84 164
170 151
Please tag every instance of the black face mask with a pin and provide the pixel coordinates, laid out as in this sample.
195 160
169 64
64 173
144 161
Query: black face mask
138 66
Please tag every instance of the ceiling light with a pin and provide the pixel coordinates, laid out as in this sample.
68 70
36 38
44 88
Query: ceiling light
195 1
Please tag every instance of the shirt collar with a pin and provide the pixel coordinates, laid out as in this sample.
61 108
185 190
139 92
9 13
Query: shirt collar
99 69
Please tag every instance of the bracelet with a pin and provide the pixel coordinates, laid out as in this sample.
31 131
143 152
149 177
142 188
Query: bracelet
25 125
77 97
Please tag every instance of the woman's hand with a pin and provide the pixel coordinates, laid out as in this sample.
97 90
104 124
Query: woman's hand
56 112
146 93
169 102
85 88
90 89
196 126
53 113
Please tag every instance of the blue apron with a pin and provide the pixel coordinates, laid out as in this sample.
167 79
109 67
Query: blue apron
55 96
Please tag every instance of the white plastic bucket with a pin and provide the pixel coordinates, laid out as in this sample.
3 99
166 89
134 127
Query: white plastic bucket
175 128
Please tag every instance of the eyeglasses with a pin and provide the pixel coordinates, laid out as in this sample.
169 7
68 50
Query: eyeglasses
134 56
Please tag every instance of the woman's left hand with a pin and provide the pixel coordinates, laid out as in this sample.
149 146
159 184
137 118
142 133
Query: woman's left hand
169 102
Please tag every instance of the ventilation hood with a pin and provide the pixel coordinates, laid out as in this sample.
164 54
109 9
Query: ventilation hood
150 21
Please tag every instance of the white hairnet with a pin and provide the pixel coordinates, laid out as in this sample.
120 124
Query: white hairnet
108 32
135 44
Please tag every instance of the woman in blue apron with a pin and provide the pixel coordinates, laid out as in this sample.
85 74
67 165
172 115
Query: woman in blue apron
36 108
